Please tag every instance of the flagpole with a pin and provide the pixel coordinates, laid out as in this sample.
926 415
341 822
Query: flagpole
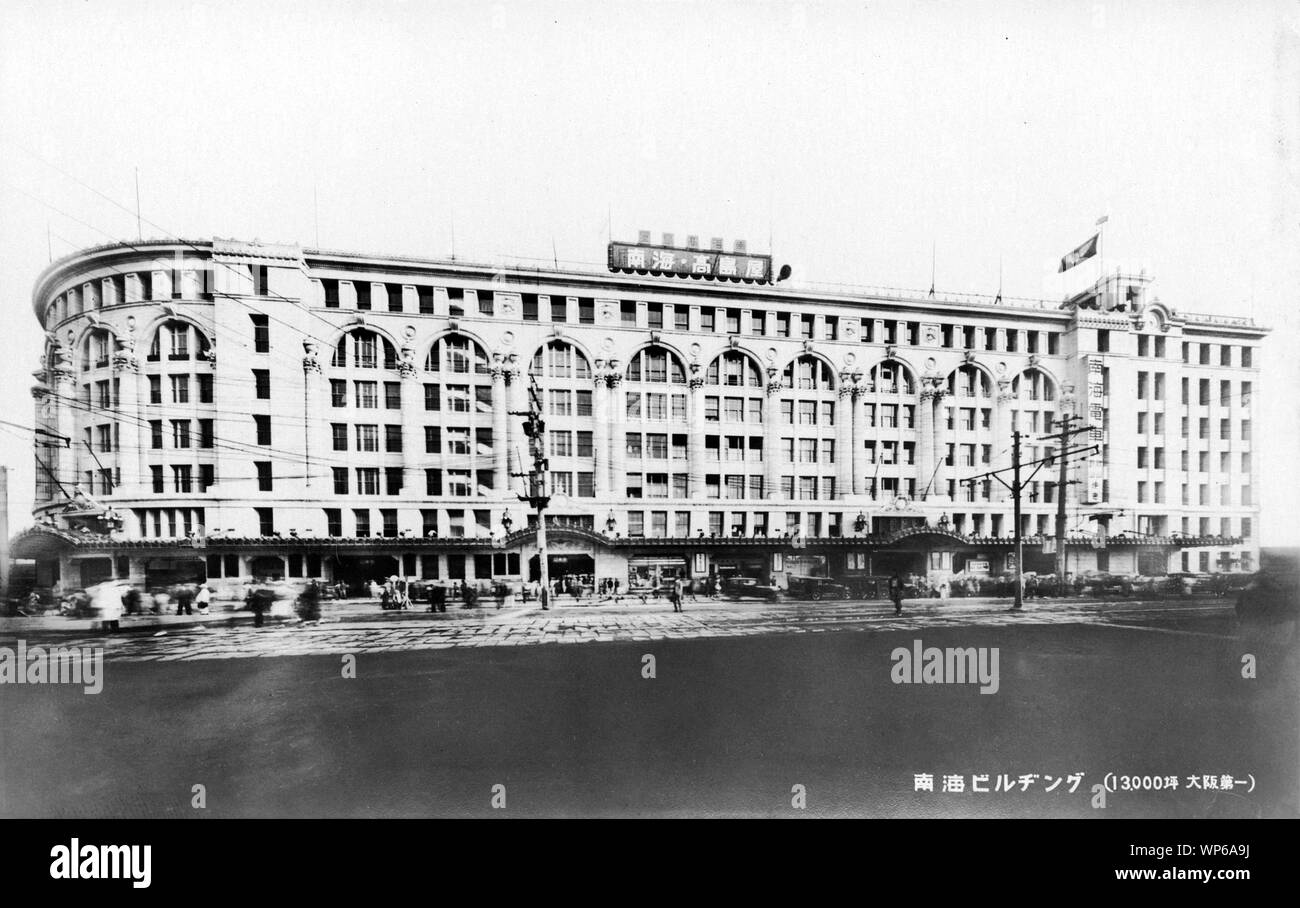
1101 259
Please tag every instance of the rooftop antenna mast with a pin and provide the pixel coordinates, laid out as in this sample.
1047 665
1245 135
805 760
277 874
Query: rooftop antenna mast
933 248
999 296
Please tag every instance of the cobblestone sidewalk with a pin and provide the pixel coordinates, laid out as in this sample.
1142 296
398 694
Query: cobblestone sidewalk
522 626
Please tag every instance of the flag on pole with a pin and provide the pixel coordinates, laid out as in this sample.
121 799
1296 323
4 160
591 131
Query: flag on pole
1086 251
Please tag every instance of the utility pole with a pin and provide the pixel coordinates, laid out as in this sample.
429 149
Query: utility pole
4 534
1017 486
535 430
1065 424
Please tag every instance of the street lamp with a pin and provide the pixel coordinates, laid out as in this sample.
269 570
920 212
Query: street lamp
860 522
507 522
611 523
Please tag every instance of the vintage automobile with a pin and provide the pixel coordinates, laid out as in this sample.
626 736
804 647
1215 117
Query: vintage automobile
1270 598
748 588
817 588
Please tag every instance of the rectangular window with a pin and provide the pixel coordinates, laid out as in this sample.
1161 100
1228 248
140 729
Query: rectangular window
261 333
392 395
367 395
393 480
340 480
393 439
180 433
264 482
263 424
265 521
262 384
367 437
205 389
361 517
180 389
432 397
367 480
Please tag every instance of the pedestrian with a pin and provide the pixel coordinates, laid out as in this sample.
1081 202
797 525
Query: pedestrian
896 592
500 592
259 599
309 602
131 601
678 589
184 596
202 600
108 603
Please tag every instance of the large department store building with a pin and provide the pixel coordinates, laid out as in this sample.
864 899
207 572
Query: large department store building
227 410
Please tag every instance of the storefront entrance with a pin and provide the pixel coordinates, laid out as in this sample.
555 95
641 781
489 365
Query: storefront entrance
160 573
648 573
94 570
560 566
356 571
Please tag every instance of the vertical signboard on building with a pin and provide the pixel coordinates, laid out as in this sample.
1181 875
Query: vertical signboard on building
1093 467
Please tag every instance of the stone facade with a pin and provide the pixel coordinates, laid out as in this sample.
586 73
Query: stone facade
227 390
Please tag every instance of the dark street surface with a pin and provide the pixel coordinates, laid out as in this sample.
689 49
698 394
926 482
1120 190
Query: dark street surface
728 727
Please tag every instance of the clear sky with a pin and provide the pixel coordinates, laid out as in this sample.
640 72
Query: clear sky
854 137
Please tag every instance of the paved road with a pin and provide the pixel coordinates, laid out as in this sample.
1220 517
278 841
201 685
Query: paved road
746 702
367 629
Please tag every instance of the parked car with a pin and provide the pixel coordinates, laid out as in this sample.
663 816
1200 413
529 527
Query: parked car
748 588
1270 597
818 588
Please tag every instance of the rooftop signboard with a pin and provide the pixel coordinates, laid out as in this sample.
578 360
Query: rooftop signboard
676 261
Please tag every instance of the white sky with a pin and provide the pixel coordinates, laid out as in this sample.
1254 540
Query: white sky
854 135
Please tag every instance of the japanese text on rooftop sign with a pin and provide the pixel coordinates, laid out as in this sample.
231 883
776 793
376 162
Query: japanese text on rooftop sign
689 262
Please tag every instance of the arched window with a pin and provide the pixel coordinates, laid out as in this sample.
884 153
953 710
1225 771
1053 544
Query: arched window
809 373
364 349
968 381
559 360
656 365
1033 385
734 369
893 378
99 345
458 355
177 340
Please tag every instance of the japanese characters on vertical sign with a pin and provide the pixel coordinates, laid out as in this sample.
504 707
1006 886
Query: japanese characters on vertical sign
1096 419
698 263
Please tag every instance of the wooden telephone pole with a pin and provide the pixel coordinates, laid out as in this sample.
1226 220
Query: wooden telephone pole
1016 488
535 431
1065 424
